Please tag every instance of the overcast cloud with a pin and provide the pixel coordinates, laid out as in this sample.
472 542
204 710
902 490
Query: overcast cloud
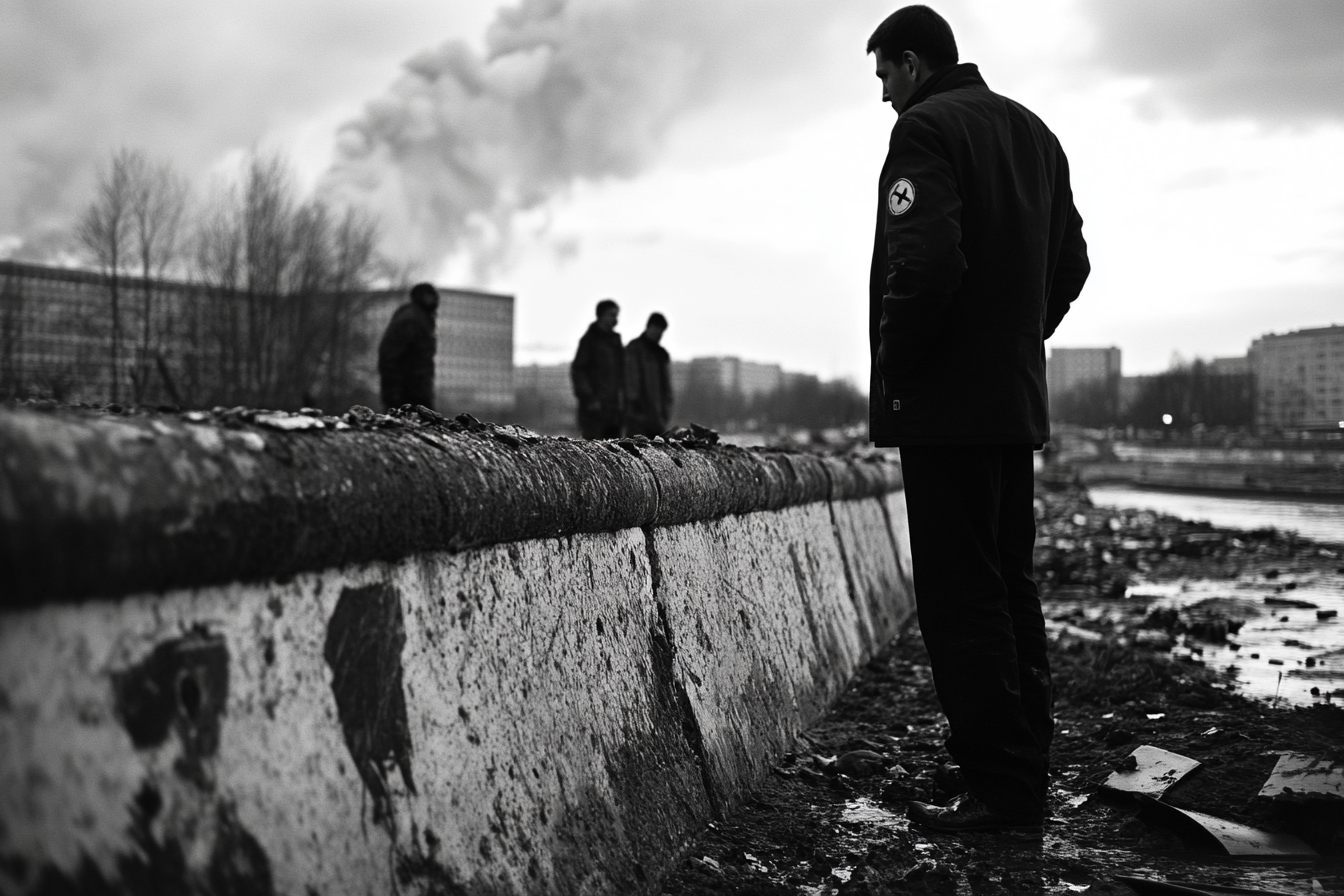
712 159
569 90
183 81
1275 61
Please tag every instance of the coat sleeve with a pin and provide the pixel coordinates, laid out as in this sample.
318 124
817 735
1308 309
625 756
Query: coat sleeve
666 367
1071 270
580 372
396 343
634 387
925 262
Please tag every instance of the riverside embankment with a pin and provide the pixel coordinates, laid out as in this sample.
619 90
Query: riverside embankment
1303 469
1133 663
253 652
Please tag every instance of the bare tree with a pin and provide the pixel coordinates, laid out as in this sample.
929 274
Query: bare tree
104 232
158 201
280 274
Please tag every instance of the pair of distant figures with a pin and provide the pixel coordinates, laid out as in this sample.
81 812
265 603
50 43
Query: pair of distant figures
622 389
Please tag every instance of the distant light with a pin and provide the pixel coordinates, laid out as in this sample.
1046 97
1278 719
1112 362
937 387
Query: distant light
1166 418
1341 424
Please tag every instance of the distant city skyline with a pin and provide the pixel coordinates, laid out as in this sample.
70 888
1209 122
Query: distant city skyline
708 160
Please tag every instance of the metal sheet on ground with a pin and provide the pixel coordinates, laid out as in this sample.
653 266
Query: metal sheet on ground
1155 770
1147 887
1232 838
1298 777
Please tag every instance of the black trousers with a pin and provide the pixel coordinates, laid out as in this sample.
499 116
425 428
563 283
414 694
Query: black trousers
972 528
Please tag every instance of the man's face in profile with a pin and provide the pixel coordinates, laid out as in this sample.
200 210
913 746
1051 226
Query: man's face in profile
428 300
898 85
607 319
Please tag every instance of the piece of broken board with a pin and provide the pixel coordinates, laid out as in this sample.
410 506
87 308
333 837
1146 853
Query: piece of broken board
1154 771
1148 887
1298 777
1228 836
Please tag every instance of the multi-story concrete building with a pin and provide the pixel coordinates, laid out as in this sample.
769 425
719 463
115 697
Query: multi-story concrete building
186 344
544 398
1230 366
734 376
1072 367
1299 379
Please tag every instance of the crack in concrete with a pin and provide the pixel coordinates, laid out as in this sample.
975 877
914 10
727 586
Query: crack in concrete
670 692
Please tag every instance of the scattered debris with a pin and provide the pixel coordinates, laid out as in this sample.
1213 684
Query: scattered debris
1150 771
288 422
1289 602
861 763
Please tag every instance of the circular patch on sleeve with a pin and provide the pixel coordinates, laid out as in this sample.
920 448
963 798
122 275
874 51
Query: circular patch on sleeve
901 197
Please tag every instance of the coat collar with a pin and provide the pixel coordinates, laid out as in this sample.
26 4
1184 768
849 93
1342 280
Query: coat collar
652 346
966 74
598 333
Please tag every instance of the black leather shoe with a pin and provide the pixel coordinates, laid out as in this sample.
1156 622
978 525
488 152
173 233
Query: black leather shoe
966 814
949 778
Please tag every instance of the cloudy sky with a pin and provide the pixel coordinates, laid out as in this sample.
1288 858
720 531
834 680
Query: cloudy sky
715 160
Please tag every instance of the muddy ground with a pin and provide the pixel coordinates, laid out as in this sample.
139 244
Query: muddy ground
812 829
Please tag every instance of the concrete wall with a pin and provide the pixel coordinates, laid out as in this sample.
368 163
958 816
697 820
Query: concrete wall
534 666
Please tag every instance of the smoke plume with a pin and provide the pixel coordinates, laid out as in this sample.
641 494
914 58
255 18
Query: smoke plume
566 90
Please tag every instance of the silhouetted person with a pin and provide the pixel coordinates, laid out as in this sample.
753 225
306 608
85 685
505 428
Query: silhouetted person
598 375
648 381
406 353
978 254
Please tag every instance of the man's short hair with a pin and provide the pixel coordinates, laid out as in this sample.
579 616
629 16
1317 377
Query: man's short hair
919 30
423 289
603 305
657 320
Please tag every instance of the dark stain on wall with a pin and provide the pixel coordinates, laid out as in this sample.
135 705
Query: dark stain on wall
181 687
365 637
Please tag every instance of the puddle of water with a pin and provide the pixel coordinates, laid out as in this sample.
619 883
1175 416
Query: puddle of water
864 811
1284 650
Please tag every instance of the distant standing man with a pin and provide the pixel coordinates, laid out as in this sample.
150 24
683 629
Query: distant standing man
978 254
598 375
406 353
648 381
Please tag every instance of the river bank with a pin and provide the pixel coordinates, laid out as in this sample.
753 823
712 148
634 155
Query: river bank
1314 468
1318 517
1121 681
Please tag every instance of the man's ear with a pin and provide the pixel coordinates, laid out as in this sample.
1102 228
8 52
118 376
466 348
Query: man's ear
911 63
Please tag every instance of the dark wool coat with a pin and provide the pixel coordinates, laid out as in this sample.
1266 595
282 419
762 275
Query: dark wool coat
648 386
598 375
978 254
406 358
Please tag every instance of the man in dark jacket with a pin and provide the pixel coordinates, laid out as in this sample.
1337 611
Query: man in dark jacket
598 375
978 254
648 381
406 353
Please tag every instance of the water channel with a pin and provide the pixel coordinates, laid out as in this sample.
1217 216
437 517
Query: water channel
1284 649
1320 519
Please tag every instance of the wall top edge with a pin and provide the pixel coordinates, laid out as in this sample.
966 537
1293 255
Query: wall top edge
100 504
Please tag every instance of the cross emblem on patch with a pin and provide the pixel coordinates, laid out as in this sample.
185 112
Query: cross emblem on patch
901 197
